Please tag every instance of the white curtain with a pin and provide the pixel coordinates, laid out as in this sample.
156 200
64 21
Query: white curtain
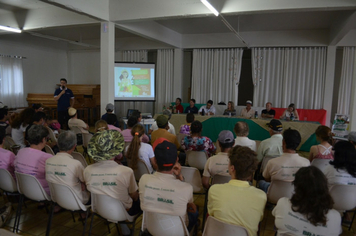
11 82
164 78
347 72
216 74
289 75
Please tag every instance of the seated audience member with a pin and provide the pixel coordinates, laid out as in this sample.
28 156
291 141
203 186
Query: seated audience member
131 122
4 119
101 125
109 178
342 170
112 122
230 111
273 145
324 149
236 202
242 130
138 114
74 121
6 157
39 118
139 150
290 114
32 160
19 125
191 108
178 108
171 128
196 142
248 112
37 107
64 169
284 167
219 163
162 131
110 110
268 112
352 138
208 109
53 124
178 200
185 129
310 210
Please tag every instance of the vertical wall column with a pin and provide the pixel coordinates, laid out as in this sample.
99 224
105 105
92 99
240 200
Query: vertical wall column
353 102
178 73
107 59
329 82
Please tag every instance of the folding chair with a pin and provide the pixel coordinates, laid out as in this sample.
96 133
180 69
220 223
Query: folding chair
197 159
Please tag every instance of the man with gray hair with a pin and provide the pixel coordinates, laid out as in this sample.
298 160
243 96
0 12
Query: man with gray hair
63 169
171 129
273 145
242 130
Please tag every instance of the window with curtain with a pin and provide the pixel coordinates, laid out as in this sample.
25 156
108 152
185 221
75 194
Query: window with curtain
289 75
11 82
216 74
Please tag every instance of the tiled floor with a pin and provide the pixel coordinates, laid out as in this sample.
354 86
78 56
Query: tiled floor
33 222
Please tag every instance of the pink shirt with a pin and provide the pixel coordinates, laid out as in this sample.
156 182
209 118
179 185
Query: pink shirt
114 127
7 161
128 137
33 162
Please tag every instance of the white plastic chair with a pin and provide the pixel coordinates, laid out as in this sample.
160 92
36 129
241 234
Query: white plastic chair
162 225
141 170
279 189
86 139
197 159
30 187
180 137
112 210
52 136
78 156
49 150
66 198
321 164
192 176
344 197
7 182
215 227
10 144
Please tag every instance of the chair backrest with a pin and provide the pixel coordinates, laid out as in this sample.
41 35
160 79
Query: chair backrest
10 144
214 227
197 159
76 129
86 139
29 186
220 179
344 197
78 156
7 182
65 197
279 189
162 225
109 208
265 161
180 137
320 163
49 150
192 176
141 170
52 136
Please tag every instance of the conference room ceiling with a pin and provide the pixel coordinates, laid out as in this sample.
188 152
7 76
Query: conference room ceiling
174 22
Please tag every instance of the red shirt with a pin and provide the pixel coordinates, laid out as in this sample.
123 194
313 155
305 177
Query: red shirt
179 108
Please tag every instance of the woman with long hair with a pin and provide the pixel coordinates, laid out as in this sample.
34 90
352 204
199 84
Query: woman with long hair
139 150
230 109
309 211
291 113
322 150
19 125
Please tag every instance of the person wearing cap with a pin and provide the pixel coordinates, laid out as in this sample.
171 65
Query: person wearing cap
171 128
268 112
110 110
284 167
165 191
273 145
65 100
4 119
209 109
236 202
219 163
191 108
131 122
248 112
162 131
64 169
242 130
108 177
74 121
352 138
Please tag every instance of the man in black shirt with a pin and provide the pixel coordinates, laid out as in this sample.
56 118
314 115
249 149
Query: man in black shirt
268 112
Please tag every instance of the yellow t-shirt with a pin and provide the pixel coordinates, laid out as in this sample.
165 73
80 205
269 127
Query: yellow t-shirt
237 203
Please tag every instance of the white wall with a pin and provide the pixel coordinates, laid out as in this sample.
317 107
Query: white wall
84 67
